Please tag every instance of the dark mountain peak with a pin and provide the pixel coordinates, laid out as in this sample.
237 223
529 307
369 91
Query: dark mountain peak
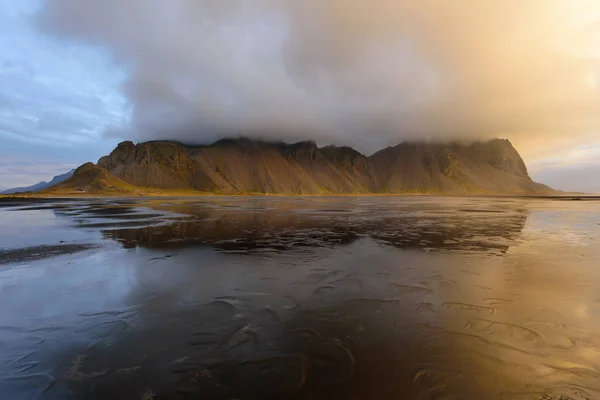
343 155
244 165
305 144
88 167
125 144
305 151
498 153
236 141
245 144
122 154
169 154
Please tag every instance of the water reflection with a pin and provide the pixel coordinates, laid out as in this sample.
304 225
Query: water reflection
275 226
347 298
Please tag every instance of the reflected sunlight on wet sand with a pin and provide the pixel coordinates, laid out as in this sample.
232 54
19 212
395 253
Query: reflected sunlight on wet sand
293 297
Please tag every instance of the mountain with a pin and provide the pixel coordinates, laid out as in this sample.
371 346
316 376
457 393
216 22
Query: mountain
238 166
90 178
494 166
41 185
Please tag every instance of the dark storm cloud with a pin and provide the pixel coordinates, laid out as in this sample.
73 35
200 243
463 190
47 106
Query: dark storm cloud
347 71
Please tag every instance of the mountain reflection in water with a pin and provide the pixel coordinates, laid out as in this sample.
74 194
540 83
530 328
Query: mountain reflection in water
316 297
305 224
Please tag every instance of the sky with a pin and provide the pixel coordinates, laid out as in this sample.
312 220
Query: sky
78 77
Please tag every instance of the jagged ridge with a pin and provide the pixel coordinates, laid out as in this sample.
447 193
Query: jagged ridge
234 166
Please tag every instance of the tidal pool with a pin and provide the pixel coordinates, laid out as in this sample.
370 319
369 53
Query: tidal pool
300 298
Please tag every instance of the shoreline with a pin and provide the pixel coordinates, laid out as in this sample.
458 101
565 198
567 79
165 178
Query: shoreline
39 196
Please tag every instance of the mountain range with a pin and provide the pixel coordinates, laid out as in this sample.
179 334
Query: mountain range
245 166
40 185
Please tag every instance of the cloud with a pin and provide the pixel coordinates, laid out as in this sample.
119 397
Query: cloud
52 95
348 71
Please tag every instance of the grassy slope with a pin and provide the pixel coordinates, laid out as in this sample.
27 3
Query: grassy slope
91 179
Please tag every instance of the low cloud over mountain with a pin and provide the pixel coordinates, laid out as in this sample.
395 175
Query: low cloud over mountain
358 72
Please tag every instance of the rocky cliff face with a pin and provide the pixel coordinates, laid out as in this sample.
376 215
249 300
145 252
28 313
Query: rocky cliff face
489 167
241 166
231 166
160 164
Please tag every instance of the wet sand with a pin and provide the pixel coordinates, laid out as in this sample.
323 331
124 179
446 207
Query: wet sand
32 253
300 297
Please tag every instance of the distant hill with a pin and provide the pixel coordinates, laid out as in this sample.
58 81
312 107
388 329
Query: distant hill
41 185
238 166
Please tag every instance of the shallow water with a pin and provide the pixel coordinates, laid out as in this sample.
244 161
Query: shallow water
308 298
